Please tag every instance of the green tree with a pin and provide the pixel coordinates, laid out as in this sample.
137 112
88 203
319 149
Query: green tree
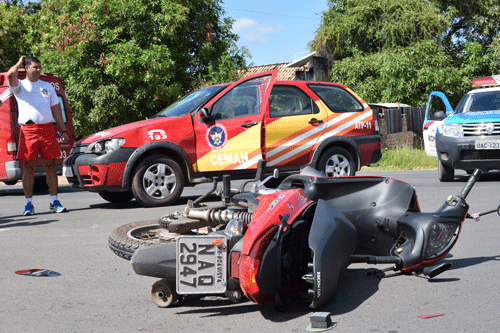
123 60
400 50
14 26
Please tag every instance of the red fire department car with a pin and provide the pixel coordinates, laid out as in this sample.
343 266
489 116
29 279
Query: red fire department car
10 169
227 129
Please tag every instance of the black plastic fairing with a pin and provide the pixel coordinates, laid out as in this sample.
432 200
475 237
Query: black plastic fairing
332 239
372 204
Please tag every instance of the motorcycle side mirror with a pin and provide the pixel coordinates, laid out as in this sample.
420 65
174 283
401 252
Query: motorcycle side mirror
276 175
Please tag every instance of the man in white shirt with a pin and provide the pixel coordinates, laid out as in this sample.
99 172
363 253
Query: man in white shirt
38 106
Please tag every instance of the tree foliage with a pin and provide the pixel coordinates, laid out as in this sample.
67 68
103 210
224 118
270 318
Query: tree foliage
401 50
13 23
123 60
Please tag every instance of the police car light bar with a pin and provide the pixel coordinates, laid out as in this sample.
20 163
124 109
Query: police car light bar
493 80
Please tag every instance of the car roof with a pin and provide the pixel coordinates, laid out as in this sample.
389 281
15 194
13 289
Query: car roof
480 90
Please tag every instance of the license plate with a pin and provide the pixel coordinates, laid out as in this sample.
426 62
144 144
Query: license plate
487 144
67 171
201 265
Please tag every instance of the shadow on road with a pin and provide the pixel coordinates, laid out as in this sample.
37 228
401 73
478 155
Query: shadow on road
491 176
134 204
22 221
356 286
467 262
17 190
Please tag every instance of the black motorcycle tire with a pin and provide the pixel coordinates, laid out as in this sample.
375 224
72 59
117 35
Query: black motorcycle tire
116 197
125 240
163 167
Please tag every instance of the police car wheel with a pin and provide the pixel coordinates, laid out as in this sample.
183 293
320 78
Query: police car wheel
445 173
157 181
337 162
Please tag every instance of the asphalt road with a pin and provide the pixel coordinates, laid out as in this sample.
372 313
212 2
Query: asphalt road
99 292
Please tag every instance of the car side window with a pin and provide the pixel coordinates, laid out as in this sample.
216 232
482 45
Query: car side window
436 104
337 98
63 109
243 100
287 101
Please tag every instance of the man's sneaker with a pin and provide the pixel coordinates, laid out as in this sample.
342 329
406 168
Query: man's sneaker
56 207
29 209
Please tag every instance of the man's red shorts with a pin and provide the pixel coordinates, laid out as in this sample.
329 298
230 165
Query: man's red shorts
38 139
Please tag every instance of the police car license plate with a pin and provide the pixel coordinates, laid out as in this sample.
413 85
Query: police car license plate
201 265
487 144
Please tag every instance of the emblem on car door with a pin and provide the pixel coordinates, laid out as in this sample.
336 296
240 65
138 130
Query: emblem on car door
216 136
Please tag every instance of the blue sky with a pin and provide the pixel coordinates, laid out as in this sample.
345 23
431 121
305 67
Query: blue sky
275 31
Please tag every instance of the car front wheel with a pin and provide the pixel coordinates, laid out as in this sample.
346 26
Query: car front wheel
157 181
445 173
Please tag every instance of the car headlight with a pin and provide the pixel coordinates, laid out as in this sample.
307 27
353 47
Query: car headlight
452 130
105 146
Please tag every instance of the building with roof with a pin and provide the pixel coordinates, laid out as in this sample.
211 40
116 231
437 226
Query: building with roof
308 68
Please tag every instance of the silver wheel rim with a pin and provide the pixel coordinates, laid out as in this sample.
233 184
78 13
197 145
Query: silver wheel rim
337 166
159 181
151 234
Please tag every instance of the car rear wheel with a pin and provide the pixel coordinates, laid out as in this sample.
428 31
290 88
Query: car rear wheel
116 197
445 173
337 162
157 181
40 185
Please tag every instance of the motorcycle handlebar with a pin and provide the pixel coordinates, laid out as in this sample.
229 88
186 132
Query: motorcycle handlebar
470 183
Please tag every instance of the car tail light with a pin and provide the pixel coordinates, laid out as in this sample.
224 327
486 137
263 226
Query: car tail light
249 266
11 147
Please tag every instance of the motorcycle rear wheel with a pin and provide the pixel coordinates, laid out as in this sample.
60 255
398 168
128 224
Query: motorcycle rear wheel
125 240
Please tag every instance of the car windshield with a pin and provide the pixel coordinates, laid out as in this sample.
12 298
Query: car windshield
190 102
479 101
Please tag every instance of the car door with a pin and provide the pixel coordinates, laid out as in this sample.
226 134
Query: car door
228 129
438 107
293 127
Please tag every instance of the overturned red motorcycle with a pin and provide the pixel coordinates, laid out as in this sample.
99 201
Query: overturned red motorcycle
290 244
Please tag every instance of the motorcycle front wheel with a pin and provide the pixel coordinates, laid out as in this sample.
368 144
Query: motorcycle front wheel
125 240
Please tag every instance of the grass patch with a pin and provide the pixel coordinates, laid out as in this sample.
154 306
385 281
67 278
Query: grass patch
401 159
